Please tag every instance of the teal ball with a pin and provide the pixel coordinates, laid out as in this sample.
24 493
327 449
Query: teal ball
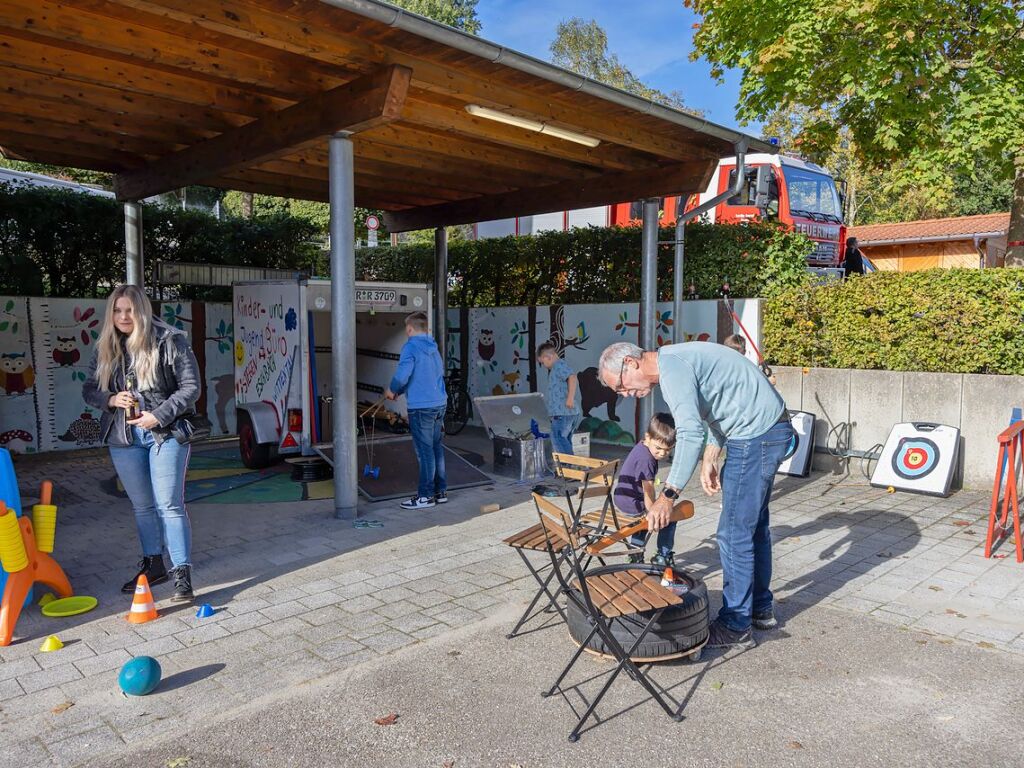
139 676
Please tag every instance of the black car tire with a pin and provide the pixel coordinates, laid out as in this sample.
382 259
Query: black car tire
680 631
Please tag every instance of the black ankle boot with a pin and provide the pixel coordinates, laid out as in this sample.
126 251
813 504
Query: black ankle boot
182 584
154 569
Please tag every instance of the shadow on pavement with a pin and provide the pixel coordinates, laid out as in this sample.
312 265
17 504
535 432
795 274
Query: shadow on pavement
189 676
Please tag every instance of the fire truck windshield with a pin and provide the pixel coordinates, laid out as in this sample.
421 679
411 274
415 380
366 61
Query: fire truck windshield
812 195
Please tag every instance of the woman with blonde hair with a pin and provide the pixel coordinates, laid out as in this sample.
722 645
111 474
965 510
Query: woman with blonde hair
142 379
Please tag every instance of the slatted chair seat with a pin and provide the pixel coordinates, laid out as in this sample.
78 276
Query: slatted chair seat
533 538
623 593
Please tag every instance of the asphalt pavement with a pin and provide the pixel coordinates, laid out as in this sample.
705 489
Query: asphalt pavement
829 688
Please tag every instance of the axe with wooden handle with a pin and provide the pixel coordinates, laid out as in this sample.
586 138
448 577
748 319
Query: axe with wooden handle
681 511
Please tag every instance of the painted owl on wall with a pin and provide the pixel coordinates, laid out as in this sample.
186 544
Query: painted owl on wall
66 353
485 344
16 374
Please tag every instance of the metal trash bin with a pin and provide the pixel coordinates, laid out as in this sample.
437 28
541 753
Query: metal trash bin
517 453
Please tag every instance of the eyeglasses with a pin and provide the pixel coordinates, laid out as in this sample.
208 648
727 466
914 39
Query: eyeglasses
619 388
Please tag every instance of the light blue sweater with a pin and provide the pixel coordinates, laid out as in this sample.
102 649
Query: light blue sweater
706 383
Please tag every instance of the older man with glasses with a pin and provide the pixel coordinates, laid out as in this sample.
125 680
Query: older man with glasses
711 385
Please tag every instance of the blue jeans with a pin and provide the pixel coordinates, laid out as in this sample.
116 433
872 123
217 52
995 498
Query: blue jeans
153 476
666 539
744 539
562 429
425 426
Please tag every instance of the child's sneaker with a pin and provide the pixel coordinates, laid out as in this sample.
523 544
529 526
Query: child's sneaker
441 498
418 502
666 560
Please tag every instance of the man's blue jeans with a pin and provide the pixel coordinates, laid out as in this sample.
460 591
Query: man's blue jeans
744 539
154 478
562 429
425 426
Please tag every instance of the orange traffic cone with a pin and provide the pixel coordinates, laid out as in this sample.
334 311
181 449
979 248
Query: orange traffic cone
667 578
143 608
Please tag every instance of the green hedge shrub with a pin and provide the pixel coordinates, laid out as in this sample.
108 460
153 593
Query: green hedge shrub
57 242
949 320
594 265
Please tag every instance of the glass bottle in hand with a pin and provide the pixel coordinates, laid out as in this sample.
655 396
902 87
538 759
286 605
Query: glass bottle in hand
133 409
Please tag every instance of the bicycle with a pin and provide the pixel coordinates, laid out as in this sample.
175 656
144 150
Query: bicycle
459 406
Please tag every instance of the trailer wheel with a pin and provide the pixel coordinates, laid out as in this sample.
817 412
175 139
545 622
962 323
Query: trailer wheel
255 455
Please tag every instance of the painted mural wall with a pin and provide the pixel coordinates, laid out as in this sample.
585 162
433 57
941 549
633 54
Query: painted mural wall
46 345
499 344
45 349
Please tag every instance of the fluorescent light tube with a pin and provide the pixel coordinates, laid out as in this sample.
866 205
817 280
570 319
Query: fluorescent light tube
531 125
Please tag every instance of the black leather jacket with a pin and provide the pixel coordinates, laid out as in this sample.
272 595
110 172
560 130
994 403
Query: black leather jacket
174 394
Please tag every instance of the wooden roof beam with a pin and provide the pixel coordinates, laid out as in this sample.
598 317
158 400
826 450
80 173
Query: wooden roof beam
366 102
678 178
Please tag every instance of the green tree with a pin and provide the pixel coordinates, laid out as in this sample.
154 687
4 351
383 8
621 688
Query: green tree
460 14
914 188
582 46
982 189
935 83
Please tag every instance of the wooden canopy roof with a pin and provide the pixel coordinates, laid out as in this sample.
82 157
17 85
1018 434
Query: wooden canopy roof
241 93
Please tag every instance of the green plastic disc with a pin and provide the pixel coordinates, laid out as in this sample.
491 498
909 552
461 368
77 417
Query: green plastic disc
69 606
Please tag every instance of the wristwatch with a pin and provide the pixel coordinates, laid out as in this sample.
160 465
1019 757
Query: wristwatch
670 493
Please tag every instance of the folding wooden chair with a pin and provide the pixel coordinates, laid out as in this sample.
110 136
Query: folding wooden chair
534 539
596 480
603 598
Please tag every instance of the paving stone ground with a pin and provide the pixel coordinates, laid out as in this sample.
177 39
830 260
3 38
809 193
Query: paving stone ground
302 597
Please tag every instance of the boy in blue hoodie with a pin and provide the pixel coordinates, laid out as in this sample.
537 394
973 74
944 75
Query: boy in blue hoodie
420 377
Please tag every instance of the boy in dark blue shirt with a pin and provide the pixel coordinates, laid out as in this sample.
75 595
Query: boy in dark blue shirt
634 490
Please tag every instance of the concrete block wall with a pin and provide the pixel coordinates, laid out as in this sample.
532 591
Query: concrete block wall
870 402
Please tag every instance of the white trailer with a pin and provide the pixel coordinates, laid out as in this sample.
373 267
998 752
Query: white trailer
283 391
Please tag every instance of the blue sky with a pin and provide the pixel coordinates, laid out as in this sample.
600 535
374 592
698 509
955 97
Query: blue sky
653 38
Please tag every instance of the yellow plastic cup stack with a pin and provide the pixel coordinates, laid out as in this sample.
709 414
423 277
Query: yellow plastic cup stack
13 557
44 518
44 521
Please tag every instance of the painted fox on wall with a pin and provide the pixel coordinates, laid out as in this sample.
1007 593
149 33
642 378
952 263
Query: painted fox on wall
508 383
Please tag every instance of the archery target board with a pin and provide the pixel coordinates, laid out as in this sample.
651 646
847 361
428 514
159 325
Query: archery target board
918 457
797 460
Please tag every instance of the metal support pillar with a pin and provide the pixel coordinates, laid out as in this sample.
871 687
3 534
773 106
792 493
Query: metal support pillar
343 325
133 244
441 289
648 295
678 287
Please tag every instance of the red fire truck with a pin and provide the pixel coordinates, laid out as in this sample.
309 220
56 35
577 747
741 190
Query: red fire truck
801 194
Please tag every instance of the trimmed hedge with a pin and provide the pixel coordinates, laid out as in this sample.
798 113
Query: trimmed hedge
58 242
948 320
595 265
